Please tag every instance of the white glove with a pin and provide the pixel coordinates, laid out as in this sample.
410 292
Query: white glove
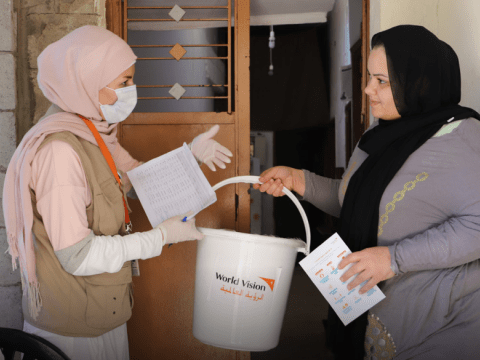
175 230
208 151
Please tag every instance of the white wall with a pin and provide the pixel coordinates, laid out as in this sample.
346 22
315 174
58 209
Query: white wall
455 22
344 30
355 11
339 36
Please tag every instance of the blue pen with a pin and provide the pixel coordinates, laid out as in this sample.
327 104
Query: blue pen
184 220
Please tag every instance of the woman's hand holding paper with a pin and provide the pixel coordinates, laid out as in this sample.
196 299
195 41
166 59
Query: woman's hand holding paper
372 264
209 151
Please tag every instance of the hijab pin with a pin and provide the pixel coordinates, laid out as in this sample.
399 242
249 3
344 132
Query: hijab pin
451 119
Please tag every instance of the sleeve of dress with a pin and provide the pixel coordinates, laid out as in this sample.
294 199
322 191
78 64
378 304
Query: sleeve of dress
452 243
322 192
108 253
124 162
456 240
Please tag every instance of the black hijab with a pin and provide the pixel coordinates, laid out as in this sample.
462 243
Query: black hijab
424 75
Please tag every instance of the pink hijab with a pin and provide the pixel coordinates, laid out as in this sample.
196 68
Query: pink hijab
71 72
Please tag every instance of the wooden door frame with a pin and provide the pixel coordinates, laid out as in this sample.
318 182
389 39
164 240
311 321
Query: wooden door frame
113 15
242 110
365 117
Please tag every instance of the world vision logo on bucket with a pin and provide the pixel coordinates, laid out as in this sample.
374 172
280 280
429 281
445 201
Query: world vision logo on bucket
270 282
245 283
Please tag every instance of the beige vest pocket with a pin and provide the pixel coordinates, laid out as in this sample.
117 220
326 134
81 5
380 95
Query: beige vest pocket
108 298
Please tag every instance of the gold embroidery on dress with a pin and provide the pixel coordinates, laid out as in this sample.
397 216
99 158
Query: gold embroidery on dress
379 343
347 177
399 195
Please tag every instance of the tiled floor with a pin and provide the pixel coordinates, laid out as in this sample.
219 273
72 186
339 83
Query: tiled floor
303 334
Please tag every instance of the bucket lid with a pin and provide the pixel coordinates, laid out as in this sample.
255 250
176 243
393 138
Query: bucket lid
234 235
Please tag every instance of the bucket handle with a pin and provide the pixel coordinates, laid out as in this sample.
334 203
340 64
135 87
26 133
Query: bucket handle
254 180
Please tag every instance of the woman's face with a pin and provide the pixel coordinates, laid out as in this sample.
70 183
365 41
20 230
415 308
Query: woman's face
109 97
378 88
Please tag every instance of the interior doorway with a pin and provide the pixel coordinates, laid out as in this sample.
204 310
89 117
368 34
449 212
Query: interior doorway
305 137
293 106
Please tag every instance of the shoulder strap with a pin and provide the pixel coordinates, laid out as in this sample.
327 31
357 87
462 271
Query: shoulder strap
111 164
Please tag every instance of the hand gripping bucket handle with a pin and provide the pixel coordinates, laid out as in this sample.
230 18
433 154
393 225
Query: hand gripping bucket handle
254 180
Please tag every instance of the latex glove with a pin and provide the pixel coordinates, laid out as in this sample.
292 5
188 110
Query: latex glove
372 264
174 230
275 178
208 151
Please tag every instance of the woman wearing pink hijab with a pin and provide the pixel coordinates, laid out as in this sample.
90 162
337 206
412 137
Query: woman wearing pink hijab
65 213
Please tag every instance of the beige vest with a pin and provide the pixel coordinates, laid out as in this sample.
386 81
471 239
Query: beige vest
84 306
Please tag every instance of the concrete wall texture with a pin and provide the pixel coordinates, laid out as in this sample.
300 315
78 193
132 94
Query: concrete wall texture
26 28
44 22
10 287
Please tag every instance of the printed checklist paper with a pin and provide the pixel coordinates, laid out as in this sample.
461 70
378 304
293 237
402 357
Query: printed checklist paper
322 268
171 184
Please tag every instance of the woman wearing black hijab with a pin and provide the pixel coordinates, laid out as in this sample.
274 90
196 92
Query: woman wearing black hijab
409 205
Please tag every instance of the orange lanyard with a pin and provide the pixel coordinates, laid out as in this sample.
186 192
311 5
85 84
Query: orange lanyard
111 164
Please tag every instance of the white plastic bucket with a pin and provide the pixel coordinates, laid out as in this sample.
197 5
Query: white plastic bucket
242 284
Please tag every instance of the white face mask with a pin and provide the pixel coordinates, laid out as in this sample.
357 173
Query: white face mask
127 99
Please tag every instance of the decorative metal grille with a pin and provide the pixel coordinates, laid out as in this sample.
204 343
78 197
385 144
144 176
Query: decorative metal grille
178 51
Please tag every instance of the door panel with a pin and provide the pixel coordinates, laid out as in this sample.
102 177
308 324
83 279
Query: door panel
145 142
164 292
162 319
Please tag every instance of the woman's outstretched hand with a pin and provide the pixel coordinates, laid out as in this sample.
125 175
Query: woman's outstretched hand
274 179
209 151
372 264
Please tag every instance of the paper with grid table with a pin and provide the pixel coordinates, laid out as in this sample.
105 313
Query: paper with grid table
171 184
322 268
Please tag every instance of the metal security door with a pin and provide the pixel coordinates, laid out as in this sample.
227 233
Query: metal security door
161 324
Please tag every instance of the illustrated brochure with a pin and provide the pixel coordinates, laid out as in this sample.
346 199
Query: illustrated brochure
321 265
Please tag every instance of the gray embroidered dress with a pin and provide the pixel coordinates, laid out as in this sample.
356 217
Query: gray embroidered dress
430 221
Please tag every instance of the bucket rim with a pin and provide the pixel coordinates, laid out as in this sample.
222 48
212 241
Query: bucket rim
235 235
249 179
